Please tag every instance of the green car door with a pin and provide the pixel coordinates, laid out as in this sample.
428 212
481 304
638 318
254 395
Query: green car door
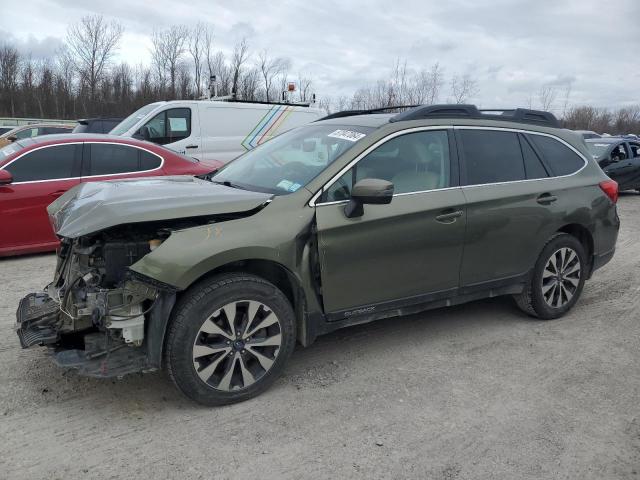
405 251
514 200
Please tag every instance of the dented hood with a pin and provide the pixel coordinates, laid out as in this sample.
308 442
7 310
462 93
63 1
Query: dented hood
94 206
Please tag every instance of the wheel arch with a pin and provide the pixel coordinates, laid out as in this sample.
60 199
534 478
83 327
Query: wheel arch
584 236
273 272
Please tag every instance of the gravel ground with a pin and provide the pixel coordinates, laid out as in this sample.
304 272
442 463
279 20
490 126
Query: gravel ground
472 392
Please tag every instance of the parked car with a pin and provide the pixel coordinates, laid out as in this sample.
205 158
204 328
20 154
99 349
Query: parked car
350 219
5 128
586 134
96 125
619 158
213 129
34 172
33 130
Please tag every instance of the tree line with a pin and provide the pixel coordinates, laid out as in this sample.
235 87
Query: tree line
83 80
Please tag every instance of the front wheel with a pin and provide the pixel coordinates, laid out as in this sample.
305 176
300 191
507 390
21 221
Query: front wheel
557 279
229 339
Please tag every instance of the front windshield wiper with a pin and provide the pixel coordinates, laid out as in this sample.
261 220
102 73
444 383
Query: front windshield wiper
227 183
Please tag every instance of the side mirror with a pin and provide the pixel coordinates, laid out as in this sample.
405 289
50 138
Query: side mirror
142 134
5 177
371 191
12 138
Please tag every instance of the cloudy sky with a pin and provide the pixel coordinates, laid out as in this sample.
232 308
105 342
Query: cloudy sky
512 47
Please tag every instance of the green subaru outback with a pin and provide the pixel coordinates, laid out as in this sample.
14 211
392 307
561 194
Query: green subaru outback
360 216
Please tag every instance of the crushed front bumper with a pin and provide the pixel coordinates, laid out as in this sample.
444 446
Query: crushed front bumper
36 320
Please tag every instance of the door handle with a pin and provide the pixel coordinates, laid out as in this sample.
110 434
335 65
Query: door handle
449 217
191 146
546 199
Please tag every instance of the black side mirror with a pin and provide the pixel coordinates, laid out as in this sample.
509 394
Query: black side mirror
12 138
5 177
142 134
371 191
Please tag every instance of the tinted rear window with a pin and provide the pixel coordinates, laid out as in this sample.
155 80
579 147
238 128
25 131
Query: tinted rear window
557 156
491 156
108 159
532 164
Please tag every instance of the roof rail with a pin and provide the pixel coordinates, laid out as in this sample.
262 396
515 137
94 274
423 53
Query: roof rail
520 115
350 113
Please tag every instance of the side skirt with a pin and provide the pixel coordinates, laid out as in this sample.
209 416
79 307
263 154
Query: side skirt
320 325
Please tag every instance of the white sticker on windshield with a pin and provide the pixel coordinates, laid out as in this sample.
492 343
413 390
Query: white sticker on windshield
347 135
288 185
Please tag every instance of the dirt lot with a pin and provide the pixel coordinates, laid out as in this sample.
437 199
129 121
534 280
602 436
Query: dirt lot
472 392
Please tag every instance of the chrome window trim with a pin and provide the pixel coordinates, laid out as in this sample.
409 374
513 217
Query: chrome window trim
312 202
88 176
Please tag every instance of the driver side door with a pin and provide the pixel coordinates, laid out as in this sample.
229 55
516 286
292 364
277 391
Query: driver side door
621 167
406 252
177 129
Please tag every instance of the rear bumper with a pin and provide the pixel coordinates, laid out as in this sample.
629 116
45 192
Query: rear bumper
602 259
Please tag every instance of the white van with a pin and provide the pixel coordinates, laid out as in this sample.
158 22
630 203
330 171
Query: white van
213 130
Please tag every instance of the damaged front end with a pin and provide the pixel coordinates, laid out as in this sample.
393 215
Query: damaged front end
96 314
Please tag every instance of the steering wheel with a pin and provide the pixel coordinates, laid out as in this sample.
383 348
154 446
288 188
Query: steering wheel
295 171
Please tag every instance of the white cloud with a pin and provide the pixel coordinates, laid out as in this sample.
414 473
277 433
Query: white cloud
512 47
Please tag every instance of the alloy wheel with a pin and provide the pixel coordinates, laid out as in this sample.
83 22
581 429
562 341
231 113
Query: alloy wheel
561 277
237 345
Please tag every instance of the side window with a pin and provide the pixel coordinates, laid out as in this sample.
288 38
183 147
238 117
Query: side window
413 162
27 133
52 130
619 153
557 156
109 159
491 156
170 126
148 161
532 165
635 150
47 163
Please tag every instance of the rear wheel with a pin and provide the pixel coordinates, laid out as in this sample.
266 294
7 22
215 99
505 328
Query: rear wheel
229 339
557 280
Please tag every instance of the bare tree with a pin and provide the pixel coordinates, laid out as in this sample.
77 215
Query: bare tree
197 49
240 56
270 68
167 51
463 87
92 42
546 97
304 87
567 93
9 70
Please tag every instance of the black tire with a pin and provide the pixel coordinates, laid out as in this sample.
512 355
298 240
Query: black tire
196 307
532 300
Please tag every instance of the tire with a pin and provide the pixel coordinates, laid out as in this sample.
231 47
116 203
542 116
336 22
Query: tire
213 365
540 298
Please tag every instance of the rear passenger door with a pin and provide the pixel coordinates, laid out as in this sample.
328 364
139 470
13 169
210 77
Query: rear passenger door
109 161
509 205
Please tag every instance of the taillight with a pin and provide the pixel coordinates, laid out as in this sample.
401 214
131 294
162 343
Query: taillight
610 188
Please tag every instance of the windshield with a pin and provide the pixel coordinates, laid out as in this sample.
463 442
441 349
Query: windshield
132 119
598 149
291 160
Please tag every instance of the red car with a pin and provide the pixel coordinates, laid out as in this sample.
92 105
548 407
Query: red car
35 171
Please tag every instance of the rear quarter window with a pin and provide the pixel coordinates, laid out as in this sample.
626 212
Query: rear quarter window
557 156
